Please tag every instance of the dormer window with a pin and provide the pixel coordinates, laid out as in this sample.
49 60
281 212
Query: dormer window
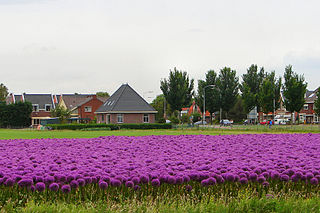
35 107
88 109
48 107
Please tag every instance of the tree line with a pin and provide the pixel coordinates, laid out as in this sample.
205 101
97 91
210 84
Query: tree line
224 93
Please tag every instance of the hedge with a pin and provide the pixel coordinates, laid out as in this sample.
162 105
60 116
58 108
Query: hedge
111 126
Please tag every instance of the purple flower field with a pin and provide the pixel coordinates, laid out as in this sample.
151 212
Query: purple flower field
66 164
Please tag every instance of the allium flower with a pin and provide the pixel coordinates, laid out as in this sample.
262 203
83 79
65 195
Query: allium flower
32 188
261 179
65 189
230 177
309 175
171 180
314 181
88 180
155 182
211 181
294 178
81 182
137 188
103 185
204 182
284 178
129 184
144 179
54 187
25 182
40 187
9 182
253 176
74 184
48 180
179 180
186 178
188 188
115 182
243 180
265 184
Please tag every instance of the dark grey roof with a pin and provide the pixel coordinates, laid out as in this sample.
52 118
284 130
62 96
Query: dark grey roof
74 100
40 99
125 99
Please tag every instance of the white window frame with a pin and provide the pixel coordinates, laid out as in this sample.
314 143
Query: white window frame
35 105
88 109
120 118
45 107
306 107
36 123
145 116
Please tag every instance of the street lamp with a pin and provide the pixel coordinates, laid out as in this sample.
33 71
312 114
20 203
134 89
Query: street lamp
204 101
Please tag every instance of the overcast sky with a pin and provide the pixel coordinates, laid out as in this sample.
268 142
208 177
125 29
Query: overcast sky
85 46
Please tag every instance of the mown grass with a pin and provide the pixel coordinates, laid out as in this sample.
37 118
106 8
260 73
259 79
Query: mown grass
180 130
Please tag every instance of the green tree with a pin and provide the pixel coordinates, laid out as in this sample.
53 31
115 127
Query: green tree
228 85
269 94
317 104
250 87
102 94
61 113
294 91
211 93
237 112
3 92
15 115
159 104
177 89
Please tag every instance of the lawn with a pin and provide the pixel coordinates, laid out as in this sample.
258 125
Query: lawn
216 130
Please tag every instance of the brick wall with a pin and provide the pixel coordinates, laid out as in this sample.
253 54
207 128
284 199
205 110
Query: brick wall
127 118
94 104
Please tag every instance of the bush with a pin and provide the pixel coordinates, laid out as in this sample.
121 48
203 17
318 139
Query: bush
109 126
185 119
196 117
161 120
174 120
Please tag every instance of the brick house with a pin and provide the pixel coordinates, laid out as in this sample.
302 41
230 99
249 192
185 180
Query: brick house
307 114
41 105
82 106
125 106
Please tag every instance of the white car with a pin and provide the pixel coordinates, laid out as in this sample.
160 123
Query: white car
280 122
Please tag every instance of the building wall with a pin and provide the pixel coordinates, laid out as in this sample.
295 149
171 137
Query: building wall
94 104
127 118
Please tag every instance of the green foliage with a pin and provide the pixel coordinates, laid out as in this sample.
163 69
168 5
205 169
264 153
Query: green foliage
102 94
294 90
161 120
158 104
174 119
269 92
3 92
317 103
185 119
177 89
196 117
227 197
228 85
250 87
211 93
15 115
237 112
111 126
62 113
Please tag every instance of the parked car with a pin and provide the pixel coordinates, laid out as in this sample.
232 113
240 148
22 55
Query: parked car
200 123
225 122
280 122
263 122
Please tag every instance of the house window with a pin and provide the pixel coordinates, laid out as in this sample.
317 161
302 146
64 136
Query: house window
145 118
48 107
102 118
87 109
305 107
120 118
35 107
36 121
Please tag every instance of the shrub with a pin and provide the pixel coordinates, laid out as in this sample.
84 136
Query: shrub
174 120
104 126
